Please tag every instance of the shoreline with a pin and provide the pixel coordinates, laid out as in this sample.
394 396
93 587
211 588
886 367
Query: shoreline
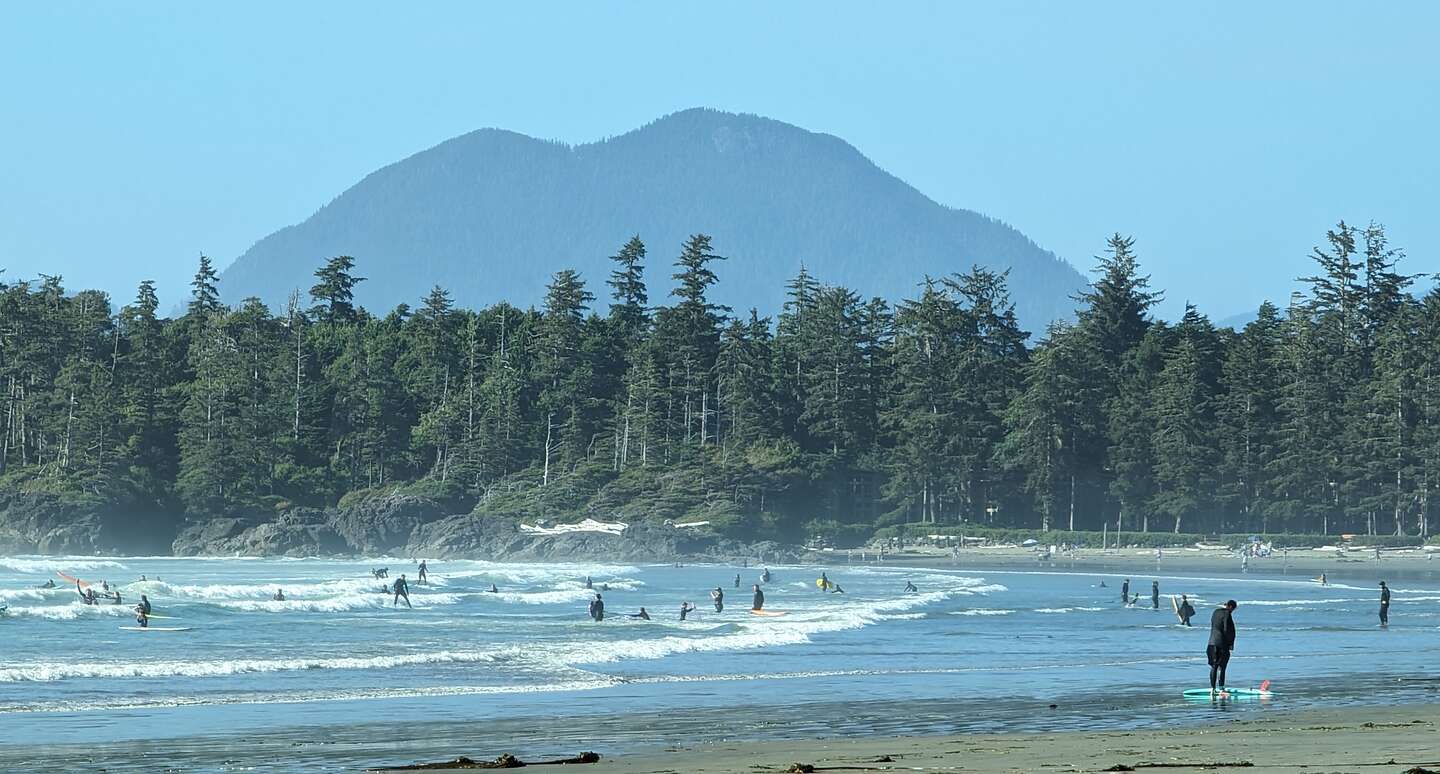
1387 739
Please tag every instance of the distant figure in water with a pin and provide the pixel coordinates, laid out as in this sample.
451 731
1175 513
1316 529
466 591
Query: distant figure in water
381 572
758 603
144 604
86 595
279 595
1384 605
765 576
142 617
642 615
142 578
494 590
604 587
1222 641
116 599
737 580
824 582
384 588
588 584
686 608
597 608
49 584
1125 591
1103 585
1187 610
910 586
1155 594
423 578
718 597
835 589
104 585
402 589
1322 580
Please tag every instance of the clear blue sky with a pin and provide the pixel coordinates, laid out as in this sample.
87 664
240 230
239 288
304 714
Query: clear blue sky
1226 137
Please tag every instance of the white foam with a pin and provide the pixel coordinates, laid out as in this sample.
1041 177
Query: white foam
60 670
980 611
51 564
1057 610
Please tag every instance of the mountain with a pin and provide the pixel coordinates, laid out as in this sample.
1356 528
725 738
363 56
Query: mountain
490 215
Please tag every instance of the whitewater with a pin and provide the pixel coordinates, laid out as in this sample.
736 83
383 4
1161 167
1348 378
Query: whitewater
337 651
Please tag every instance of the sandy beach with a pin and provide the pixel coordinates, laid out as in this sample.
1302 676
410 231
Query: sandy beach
1392 739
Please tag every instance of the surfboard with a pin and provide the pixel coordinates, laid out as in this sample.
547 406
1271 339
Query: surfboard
156 616
72 579
768 613
155 628
1204 693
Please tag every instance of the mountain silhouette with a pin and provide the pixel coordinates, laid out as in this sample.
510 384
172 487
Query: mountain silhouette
490 215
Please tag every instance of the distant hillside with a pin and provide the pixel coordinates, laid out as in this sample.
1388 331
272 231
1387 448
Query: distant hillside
492 214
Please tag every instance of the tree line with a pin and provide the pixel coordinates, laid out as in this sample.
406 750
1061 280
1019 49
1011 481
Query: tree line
840 415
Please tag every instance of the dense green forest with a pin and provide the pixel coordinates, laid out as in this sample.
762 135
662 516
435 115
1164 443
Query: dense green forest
841 415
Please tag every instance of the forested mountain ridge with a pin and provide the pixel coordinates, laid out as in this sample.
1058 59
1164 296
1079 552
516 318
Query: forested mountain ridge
491 214
656 403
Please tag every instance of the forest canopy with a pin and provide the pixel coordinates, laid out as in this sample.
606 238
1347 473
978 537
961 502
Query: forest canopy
842 415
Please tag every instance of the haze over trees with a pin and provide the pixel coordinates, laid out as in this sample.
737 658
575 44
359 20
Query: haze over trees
635 395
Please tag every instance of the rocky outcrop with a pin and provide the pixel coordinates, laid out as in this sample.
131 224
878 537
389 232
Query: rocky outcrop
416 527
51 523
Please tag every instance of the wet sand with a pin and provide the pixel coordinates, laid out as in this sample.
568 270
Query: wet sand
1391 739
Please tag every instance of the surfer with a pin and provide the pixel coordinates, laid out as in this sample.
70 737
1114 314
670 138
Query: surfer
910 587
718 597
142 616
279 595
642 614
758 602
104 585
144 605
1125 592
1322 580
1384 604
686 608
737 580
423 578
597 608
116 599
1155 594
1222 641
49 584
588 584
824 582
142 578
402 589
494 590
835 589
1186 611
765 576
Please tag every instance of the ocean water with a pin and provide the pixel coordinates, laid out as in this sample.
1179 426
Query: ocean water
525 670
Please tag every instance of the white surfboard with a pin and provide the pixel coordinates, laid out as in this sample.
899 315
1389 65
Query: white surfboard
155 628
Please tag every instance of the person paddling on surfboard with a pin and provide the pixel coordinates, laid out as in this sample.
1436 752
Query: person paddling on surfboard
758 603
1222 641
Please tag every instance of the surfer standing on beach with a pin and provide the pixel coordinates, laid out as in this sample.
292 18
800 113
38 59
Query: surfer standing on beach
1222 641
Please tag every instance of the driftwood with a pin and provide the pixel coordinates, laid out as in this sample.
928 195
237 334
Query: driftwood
506 761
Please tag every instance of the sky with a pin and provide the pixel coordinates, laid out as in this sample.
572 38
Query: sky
1225 137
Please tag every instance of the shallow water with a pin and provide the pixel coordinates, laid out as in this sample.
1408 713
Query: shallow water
466 670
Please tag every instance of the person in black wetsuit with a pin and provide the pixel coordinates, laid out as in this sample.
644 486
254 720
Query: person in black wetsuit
1384 604
588 584
685 609
641 615
402 589
423 578
718 596
758 603
116 600
1125 592
765 576
910 586
1187 610
737 580
1222 641
144 604
597 608
1155 594
142 617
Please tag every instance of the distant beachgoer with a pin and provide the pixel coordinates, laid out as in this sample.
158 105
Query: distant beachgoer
104 585
1384 604
765 576
737 580
588 584
402 589
597 608
1222 641
49 584
144 604
910 586
423 578
494 590
142 578
1322 580
116 599
604 587
1103 585
279 595
835 589
642 614
1125 591
142 617
758 602
718 597
824 582
1187 610
1155 594
384 588
686 608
